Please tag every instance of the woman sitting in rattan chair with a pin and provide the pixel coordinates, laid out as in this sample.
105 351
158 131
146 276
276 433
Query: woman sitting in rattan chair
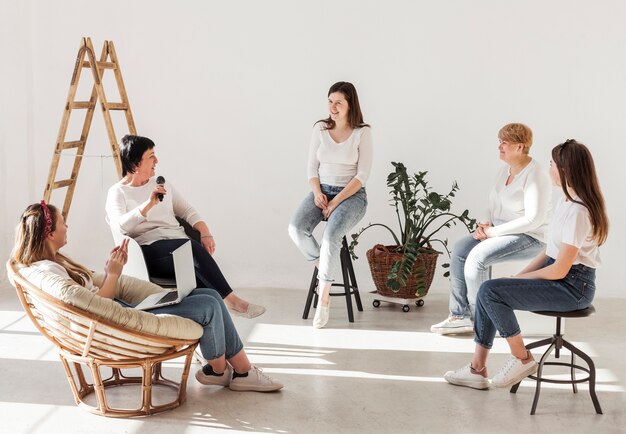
42 232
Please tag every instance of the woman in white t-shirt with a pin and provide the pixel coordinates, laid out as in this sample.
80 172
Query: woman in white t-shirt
561 278
340 159
519 206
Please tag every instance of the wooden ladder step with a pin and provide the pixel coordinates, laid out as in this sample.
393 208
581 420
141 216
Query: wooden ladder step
117 106
82 105
101 65
71 145
61 184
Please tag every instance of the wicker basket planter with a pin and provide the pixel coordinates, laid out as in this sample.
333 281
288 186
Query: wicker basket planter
381 259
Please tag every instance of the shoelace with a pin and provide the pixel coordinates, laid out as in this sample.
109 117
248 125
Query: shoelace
261 374
509 365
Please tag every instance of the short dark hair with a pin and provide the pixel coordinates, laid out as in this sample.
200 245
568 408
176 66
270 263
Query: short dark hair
131 151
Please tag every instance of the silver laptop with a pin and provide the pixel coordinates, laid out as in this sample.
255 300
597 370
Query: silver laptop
185 281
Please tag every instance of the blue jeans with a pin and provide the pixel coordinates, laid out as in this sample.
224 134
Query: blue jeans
206 307
498 298
471 263
342 219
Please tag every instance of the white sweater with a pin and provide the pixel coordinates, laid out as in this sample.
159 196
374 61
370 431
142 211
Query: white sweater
337 163
122 209
523 206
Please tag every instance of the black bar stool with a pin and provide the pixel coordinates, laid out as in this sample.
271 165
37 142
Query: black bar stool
349 285
557 342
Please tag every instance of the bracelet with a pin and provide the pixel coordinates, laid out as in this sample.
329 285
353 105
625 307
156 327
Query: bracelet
206 236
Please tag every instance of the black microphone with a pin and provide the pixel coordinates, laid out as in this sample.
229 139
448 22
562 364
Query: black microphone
160 181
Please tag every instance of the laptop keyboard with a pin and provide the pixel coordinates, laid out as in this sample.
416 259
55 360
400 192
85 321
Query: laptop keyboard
168 297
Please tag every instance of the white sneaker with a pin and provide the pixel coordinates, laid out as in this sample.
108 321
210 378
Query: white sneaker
255 380
322 313
513 372
465 377
453 325
215 380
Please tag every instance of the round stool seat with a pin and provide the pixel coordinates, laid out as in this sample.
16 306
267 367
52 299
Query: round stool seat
571 314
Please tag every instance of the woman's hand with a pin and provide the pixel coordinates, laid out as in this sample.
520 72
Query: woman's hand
326 212
152 200
481 231
321 201
208 242
154 196
117 260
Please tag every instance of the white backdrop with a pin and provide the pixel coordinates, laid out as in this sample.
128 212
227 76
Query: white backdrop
229 92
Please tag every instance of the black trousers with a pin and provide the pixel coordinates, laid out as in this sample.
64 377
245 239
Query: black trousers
158 256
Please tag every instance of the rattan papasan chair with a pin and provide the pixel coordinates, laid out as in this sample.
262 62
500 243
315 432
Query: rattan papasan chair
98 335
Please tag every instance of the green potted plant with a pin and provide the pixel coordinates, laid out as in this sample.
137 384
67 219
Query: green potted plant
406 269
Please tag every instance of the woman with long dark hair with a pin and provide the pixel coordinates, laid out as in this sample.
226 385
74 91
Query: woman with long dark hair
340 159
561 278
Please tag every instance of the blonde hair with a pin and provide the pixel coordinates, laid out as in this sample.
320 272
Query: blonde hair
517 133
30 242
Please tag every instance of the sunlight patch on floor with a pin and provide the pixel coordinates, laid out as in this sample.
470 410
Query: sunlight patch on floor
372 339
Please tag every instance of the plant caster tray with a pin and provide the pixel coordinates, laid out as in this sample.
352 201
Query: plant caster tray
405 302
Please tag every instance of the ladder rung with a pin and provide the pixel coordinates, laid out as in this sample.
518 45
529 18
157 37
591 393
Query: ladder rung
61 184
101 65
82 105
117 106
70 145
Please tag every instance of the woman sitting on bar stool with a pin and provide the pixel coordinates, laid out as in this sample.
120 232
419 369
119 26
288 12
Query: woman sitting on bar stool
340 159
561 278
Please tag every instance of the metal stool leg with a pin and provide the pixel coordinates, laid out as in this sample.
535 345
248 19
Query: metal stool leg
539 378
592 374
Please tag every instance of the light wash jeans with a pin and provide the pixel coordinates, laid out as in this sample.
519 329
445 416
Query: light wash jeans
206 307
342 219
498 298
471 263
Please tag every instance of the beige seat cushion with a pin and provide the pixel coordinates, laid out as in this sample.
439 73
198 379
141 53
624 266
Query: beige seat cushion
128 289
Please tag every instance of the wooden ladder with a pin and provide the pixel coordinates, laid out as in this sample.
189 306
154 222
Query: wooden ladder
86 59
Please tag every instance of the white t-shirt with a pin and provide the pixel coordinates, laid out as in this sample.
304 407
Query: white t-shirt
53 267
337 163
571 225
122 207
523 206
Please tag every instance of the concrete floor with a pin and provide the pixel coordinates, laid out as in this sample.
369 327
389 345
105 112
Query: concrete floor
381 374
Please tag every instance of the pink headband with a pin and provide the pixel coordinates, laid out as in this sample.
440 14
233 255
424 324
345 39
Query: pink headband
47 218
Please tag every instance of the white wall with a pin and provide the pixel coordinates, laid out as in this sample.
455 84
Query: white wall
229 92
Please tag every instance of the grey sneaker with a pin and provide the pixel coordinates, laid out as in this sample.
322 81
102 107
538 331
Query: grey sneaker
465 377
513 372
255 380
205 376
453 325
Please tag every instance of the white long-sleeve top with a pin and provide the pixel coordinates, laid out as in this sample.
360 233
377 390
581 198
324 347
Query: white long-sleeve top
122 207
523 206
571 225
337 163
